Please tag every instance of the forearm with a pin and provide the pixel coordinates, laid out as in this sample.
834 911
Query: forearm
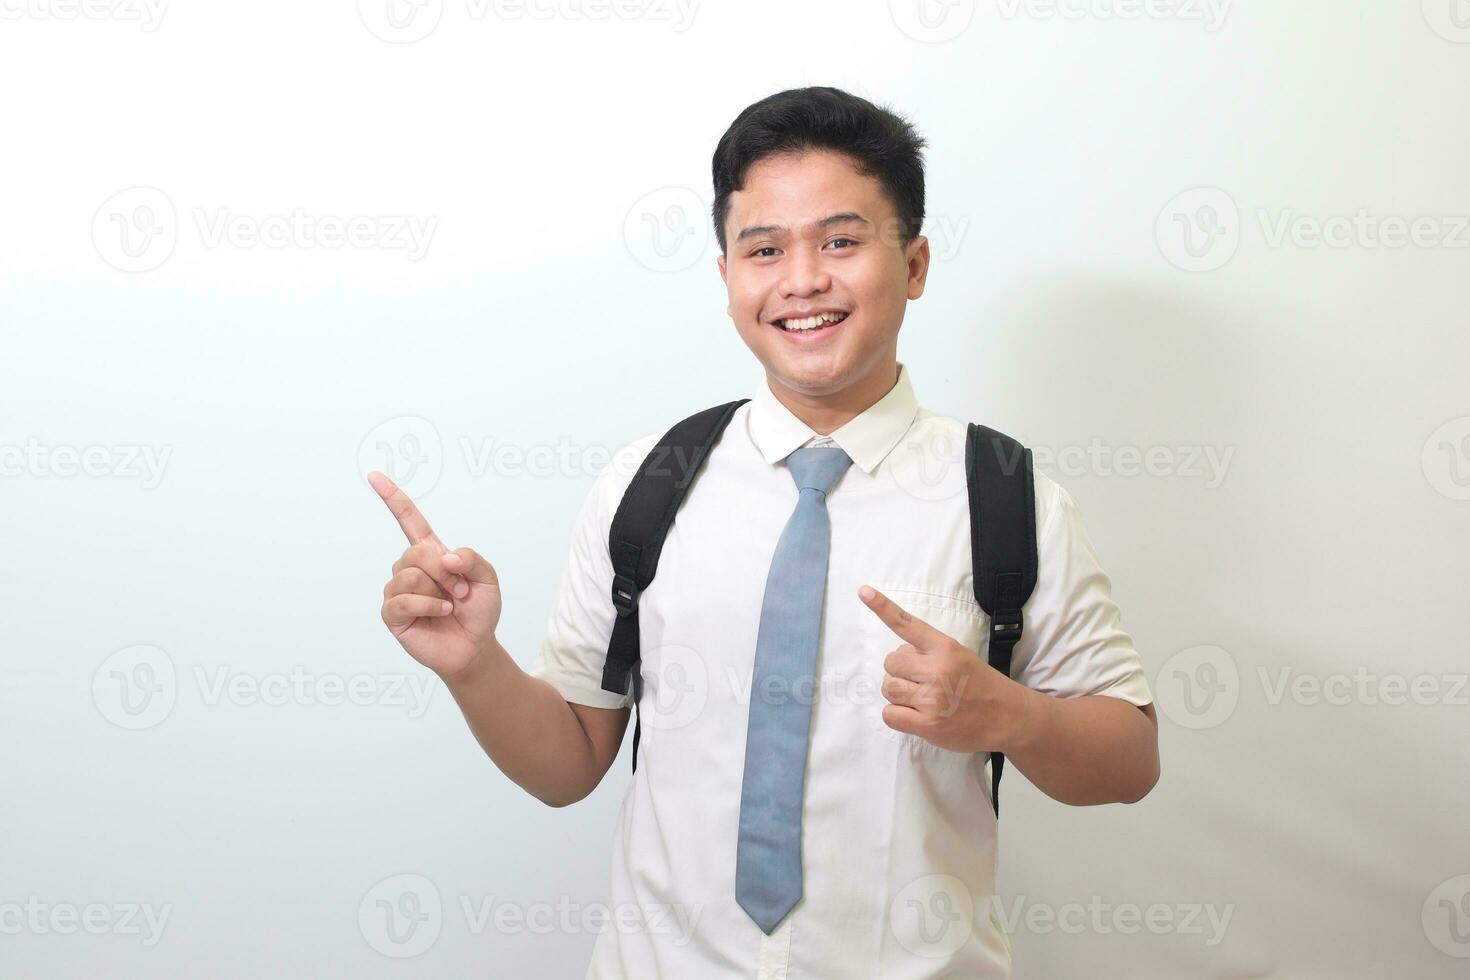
1085 751
526 727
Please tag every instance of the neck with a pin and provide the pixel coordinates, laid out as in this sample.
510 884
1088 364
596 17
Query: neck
825 414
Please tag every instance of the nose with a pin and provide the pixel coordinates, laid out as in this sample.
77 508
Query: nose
805 273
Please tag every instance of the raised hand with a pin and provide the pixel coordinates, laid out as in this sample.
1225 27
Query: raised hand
940 690
442 605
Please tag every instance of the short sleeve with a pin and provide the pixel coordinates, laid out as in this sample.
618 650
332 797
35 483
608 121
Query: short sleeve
1073 643
574 648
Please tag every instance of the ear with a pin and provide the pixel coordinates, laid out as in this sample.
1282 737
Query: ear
918 261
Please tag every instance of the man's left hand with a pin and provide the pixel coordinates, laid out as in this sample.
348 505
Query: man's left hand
941 691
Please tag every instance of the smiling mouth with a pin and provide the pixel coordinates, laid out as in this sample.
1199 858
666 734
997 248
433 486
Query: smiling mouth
811 324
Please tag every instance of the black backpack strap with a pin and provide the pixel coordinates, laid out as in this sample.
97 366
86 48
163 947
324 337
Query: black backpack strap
639 527
1002 546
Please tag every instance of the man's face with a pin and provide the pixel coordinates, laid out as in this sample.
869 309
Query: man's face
788 256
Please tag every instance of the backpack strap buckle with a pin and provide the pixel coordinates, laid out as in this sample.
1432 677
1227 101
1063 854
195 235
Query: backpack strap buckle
1006 626
624 595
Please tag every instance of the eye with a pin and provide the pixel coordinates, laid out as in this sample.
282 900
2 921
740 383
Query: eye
850 240
757 252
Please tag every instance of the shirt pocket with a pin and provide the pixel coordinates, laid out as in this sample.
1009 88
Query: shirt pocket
952 614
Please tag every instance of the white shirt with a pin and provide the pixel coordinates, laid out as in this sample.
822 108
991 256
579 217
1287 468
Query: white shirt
898 835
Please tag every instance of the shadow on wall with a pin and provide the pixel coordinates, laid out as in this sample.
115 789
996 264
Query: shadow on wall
1288 806
1086 355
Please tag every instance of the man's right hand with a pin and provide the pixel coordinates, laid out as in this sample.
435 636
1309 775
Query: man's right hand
442 605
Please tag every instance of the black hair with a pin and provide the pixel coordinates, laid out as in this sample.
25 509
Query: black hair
881 143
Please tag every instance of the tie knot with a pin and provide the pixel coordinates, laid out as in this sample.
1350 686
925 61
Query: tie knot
817 467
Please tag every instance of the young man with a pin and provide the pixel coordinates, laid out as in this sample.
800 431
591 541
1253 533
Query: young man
811 798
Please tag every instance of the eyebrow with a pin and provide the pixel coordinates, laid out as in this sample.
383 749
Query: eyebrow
846 217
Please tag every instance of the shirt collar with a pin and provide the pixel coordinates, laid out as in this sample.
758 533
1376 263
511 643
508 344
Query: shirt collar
867 437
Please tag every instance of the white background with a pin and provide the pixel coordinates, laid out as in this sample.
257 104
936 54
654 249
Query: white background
1071 150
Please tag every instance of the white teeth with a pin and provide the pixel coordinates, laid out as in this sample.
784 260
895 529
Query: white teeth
812 322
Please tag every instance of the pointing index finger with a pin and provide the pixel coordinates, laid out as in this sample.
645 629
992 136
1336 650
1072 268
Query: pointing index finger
909 627
410 518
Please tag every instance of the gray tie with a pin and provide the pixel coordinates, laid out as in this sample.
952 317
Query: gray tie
768 855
